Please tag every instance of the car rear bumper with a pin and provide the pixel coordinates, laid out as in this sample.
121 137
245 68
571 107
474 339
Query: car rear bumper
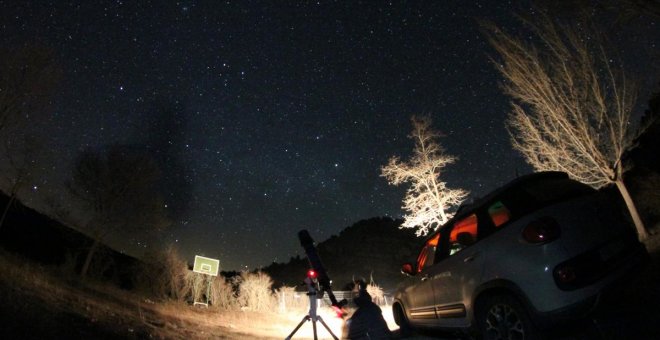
615 281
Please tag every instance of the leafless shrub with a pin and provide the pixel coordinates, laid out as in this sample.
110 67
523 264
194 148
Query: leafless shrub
377 294
222 294
200 287
166 275
255 292
289 300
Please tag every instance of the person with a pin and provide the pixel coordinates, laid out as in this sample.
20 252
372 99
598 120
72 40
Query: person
367 322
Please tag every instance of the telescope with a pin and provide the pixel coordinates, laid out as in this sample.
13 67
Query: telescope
315 262
317 280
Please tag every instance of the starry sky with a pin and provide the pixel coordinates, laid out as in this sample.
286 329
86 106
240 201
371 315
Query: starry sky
268 117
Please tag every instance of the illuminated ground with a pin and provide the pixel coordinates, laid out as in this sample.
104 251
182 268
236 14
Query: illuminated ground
38 304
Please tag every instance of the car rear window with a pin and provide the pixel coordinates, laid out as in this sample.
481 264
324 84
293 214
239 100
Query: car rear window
556 189
532 196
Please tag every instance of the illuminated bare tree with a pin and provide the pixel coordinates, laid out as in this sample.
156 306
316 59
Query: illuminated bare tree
428 200
571 104
118 191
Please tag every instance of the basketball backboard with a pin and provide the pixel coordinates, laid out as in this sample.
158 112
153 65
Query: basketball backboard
205 265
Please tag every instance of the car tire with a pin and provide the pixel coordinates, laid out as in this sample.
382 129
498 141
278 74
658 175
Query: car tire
503 317
400 319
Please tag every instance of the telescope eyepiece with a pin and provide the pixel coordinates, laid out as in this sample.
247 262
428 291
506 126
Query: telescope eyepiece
305 238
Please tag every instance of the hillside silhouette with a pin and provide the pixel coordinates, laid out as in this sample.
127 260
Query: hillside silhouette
372 248
39 238
369 249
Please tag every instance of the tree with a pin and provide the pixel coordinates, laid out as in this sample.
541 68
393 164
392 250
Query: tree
571 104
118 190
428 200
625 10
28 77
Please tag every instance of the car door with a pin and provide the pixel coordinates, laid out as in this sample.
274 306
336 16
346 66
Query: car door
458 272
420 289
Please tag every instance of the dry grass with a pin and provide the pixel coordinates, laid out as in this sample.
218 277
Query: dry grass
254 313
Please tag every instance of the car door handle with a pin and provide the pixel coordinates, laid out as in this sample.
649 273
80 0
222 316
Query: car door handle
470 258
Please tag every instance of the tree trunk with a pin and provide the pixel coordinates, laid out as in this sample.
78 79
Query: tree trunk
88 259
639 225
4 214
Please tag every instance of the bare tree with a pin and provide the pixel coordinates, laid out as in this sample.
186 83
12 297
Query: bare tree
28 77
428 200
571 104
625 10
118 190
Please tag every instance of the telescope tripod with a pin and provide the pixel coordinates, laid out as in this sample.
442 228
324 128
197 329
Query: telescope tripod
311 315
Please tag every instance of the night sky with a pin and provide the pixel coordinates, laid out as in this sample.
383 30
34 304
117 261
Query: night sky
268 117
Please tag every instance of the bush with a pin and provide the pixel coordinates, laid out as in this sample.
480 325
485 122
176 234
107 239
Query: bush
289 300
222 294
165 275
377 294
255 292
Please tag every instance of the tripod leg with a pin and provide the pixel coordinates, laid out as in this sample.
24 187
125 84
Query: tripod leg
314 328
307 317
326 327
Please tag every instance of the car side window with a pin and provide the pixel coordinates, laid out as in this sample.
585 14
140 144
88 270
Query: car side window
499 214
463 234
427 255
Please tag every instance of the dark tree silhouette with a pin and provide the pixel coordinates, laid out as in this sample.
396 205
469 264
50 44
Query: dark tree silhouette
164 139
28 77
625 10
118 190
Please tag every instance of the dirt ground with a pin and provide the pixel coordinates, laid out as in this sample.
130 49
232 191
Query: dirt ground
36 304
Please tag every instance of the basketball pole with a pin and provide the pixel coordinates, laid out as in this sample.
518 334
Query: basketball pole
205 266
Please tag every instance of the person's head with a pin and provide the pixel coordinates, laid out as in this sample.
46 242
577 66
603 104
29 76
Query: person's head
363 297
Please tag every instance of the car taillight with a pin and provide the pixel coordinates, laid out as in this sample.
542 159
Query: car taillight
542 230
565 274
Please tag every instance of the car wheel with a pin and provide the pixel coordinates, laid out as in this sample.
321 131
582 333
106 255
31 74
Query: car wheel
400 319
502 317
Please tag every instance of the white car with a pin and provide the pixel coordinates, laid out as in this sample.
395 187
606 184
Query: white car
538 251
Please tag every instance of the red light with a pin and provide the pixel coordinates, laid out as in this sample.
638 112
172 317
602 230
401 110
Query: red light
311 274
340 312
566 274
542 230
